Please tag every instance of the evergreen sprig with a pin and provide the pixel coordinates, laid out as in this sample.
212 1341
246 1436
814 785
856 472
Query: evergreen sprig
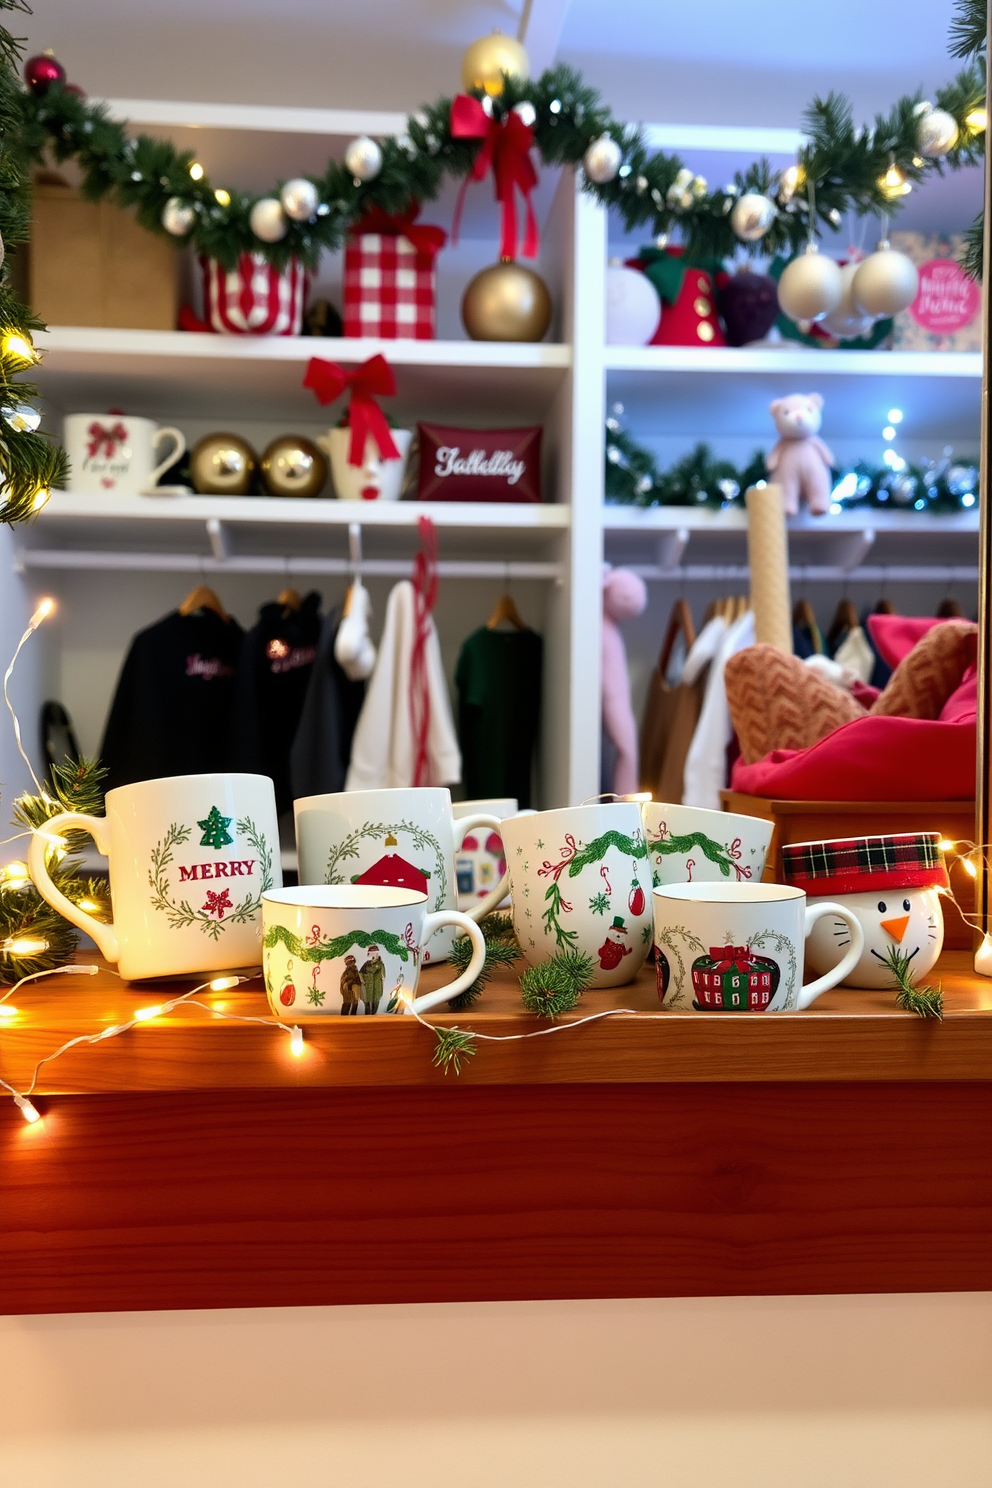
555 986
967 33
925 1002
452 1046
501 950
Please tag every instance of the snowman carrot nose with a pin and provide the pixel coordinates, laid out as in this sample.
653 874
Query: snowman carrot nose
896 928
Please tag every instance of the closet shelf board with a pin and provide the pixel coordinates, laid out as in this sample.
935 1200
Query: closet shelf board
288 512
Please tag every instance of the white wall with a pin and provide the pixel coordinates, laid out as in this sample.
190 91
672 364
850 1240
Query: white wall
788 1392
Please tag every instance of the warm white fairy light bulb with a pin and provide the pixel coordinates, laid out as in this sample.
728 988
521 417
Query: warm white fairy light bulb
296 1041
29 1111
143 1014
223 984
24 945
969 867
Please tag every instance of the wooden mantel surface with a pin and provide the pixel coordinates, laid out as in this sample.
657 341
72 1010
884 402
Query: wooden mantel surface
846 1036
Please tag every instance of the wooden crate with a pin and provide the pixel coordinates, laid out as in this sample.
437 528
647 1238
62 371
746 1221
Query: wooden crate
814 821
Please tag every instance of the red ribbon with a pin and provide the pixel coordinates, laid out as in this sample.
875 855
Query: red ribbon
425 587
505 147
426 239
731 958
365 417
101 437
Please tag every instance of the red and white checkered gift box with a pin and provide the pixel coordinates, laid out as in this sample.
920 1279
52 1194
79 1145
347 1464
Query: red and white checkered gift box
389 279
254 299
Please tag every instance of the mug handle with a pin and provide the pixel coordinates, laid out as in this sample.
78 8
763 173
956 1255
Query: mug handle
499 893
812 991
467 927
41 840
177 453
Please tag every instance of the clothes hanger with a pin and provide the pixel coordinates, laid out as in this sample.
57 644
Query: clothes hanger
202 598
845 618
289 599
741 606
949 609
505 610
680 620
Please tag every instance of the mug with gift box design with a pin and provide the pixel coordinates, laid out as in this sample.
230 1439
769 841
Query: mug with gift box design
190 857
355 950
115 454
580 881
689 844
738 947
400 838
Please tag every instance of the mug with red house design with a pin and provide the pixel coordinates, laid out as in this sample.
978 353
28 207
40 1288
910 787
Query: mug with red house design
397 838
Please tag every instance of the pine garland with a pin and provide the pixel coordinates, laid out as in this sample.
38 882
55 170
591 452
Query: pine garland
925 1002
555 986
501 950
451 1047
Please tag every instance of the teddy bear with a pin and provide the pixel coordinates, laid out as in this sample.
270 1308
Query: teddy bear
800 462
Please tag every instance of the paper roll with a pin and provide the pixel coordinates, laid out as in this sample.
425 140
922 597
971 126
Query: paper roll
768 559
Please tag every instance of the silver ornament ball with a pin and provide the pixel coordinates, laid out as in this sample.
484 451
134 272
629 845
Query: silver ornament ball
885 283
526 112
268 220
936 133
299 199
847 321
751 217
363 158
810 286
601 162
177 217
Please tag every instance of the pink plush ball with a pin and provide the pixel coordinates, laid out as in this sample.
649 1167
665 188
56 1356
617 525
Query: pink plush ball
624 594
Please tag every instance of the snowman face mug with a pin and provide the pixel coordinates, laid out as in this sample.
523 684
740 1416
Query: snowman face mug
580 881
738 948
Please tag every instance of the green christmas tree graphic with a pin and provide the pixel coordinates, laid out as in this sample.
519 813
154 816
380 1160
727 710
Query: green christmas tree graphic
215 833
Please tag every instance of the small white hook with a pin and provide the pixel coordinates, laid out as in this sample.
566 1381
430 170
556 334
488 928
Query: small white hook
355 548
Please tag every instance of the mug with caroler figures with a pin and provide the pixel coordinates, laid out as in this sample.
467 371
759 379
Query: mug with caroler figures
397 838
355 949
690 844
189 859
580 881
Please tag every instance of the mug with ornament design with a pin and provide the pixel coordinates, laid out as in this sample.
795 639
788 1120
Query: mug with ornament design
355 950
400 838
690 844
189 859
115 454
580 881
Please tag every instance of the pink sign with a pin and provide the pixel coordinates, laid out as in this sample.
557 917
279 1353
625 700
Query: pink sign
947 300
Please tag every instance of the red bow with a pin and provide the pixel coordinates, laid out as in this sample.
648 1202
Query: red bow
101 437
731 958
426 239
505 146
365 417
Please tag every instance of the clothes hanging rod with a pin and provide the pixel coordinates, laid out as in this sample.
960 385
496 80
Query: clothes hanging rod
375 568
896 573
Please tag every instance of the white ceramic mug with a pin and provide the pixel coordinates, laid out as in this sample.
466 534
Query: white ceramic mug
404 838
115 454
375 479
354 949
580 880
738 947
190 857
689 844
480 861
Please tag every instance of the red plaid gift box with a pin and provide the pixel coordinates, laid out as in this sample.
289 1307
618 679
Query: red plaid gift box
389 278
254 299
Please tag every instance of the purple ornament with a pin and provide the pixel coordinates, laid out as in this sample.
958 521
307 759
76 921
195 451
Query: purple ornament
749 304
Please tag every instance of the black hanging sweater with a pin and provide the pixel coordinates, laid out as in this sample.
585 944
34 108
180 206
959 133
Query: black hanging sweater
171 712
271 684
321 751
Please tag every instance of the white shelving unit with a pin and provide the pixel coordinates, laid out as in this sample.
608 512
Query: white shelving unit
116 564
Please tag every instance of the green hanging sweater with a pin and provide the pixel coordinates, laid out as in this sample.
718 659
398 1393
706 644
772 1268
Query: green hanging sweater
498 678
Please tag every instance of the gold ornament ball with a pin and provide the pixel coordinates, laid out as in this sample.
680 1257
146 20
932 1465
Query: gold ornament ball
506 302
886 282
293 466
487 59
222 465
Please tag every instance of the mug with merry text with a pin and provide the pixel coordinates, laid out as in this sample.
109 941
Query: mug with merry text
189 858
116 454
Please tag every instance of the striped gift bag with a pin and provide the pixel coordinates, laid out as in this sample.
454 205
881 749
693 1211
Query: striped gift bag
254 299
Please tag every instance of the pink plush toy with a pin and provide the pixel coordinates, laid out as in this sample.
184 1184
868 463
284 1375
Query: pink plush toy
800 462
624 596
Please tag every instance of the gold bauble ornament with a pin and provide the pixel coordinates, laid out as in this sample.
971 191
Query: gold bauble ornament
222 465
487 59
293 466
506 302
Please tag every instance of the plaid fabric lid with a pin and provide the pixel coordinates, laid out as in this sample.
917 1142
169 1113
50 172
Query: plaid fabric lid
854 865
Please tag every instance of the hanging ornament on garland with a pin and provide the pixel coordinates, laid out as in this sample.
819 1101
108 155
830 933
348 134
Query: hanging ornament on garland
486 61
363 159
299 199
936 133
751 216
602 160
848 321
506 302
525 112
41 72
268 221
885 283
810 286
178 216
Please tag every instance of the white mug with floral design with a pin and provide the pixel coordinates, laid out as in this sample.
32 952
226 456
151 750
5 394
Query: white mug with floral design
400 838
738 947
189 857
114 454
580 881
355 949
689 844
480 861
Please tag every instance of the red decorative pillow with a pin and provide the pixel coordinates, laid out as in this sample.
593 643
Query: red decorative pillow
479 464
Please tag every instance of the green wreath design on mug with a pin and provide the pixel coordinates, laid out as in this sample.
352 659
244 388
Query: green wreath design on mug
423 841
667 938
181 913
330 950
